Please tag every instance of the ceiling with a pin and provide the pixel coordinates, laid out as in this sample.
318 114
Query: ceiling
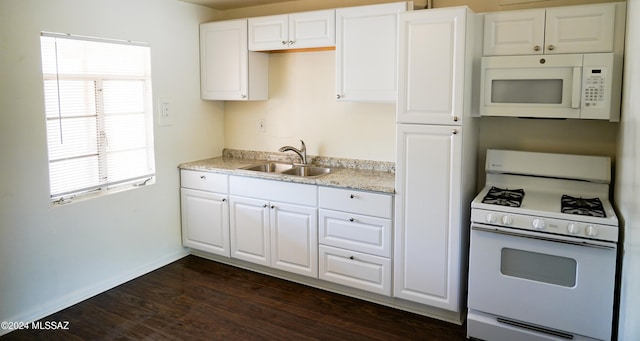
223 5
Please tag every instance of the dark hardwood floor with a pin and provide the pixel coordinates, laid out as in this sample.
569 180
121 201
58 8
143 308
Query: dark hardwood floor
198 299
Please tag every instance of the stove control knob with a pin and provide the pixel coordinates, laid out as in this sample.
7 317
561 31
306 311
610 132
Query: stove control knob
491 218
573 228
507 220
591 231
538 224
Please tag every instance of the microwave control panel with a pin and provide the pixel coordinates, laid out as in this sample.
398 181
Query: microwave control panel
594 87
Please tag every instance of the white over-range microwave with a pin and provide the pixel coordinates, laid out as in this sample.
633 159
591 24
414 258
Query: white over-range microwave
581 86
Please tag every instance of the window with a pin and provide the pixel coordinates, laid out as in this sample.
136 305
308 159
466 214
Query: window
99 114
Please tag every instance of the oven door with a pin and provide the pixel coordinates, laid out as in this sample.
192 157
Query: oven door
528 278
532 86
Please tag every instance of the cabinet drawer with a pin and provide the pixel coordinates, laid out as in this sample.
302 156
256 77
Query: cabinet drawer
355 269
281 191
374 204
204 181
356 232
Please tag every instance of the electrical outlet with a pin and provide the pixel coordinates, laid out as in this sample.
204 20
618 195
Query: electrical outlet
261 125
165 112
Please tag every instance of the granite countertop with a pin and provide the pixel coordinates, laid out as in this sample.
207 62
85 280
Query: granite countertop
364 175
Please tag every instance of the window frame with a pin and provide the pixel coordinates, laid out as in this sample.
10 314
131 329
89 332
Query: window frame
105 183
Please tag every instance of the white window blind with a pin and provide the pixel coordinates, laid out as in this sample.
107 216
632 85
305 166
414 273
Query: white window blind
99 114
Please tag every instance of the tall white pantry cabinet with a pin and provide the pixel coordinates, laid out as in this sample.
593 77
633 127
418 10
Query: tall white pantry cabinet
436 155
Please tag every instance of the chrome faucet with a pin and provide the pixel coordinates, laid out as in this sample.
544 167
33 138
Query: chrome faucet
302 152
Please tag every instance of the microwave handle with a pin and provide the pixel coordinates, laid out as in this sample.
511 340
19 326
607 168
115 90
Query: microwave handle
577 87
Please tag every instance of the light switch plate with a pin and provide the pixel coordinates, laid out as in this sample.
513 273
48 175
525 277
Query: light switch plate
165 112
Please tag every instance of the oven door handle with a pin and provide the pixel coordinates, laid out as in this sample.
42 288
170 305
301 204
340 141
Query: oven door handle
587 243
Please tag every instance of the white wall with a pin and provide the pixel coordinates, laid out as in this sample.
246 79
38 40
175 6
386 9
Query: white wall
627 194
51 257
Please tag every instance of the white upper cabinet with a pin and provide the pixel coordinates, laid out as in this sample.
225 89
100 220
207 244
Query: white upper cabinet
366 52
514 32
433 66
229 71
292 31
569 29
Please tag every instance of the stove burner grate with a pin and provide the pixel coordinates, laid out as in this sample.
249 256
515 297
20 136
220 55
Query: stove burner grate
504 197
581 206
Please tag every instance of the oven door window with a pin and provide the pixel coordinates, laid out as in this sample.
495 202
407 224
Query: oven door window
538 267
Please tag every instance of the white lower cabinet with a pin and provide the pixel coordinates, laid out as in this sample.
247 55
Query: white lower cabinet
205 212
274 224
355 269
429 224
355 239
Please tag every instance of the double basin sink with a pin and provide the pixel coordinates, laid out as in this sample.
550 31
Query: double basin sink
289 169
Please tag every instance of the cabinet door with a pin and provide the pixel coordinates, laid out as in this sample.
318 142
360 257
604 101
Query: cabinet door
312 29
578 29
205 221
294 238
249 229
366 46
432 66
268 33
228 71
514 32
223 60
428 227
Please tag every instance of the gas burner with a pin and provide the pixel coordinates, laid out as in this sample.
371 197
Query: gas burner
504 197
581 206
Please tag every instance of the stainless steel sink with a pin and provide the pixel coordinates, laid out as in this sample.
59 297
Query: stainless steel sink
289 169
269 167
307 171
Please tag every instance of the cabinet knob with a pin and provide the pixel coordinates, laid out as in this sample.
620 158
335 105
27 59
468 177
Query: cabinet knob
351 220
223 200
352 196
284 42
551 48
338 96
202 177
536 48
265 205
291 42
243 96
454 132
455 118
273 206
352 257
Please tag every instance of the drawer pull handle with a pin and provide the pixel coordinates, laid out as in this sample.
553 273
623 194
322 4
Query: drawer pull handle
351 220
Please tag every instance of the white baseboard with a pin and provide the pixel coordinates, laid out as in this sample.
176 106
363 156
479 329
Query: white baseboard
82 294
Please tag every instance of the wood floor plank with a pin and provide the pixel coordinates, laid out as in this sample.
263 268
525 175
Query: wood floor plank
198 299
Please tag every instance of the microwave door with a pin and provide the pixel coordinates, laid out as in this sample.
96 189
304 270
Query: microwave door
531 89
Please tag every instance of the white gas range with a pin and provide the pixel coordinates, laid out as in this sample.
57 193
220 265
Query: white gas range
543 248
